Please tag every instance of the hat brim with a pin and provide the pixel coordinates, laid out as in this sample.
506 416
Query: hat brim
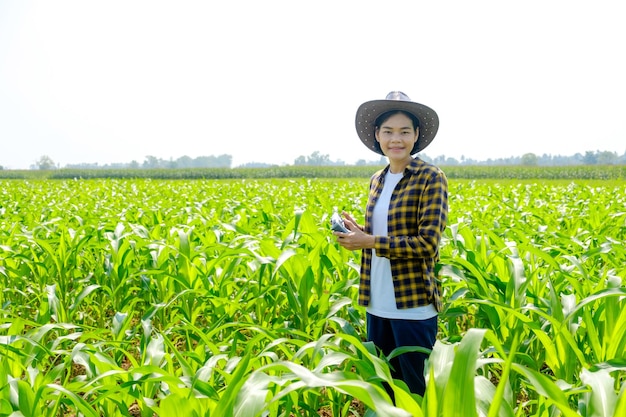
369 111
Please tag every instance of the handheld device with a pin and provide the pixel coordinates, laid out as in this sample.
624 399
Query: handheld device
336 223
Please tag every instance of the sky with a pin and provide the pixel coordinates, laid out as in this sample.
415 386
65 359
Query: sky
269 81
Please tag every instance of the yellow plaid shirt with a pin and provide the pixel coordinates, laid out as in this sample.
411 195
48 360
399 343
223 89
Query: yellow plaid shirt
417 217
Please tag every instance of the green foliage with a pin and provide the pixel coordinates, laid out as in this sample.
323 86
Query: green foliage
513 172
211 298
45 163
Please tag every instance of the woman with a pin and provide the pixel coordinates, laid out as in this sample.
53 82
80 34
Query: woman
405 216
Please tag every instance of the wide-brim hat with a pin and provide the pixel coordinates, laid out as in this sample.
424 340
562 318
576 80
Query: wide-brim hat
369 111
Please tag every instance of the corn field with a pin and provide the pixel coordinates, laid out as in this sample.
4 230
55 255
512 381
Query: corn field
145 297
516 172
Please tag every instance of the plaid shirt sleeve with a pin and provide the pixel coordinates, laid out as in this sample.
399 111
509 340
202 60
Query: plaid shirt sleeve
417 217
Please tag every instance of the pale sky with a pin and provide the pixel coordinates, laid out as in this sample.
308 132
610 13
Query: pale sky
268 81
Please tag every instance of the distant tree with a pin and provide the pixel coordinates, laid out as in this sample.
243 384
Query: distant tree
382 161
590 158
201 162
439 160
315 158
224 161
151 162
529 159
318 159
185 162
422 156
45 162
133 164
577 158
606 158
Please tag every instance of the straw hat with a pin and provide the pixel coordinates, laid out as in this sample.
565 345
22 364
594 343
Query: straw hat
369 111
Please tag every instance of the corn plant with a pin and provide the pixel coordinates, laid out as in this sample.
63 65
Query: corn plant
126 297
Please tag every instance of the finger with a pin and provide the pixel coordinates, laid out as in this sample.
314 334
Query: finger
350 224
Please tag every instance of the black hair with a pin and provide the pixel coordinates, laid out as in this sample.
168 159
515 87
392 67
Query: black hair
385 116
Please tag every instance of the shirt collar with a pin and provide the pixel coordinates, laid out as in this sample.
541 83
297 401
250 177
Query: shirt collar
412 168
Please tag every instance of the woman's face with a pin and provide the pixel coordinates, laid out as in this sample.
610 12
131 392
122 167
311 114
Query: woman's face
396 137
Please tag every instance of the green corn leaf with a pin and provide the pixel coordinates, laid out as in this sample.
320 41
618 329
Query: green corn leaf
547 388
459 398
5 407
22 397
81 405
602 398
620 406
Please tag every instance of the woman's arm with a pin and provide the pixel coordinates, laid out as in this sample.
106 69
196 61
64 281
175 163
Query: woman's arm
431 213
431 216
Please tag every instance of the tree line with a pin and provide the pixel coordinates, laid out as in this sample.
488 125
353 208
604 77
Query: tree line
531 159
150 162
319 159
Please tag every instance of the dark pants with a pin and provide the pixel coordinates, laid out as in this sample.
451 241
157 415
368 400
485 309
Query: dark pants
388 334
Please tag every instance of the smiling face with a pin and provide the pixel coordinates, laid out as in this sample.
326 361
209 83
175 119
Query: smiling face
396 136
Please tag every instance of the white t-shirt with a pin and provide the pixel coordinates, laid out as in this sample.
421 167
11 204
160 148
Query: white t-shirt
382 297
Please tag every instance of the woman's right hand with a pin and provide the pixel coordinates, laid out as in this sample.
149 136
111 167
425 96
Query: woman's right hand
356 239
349 218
